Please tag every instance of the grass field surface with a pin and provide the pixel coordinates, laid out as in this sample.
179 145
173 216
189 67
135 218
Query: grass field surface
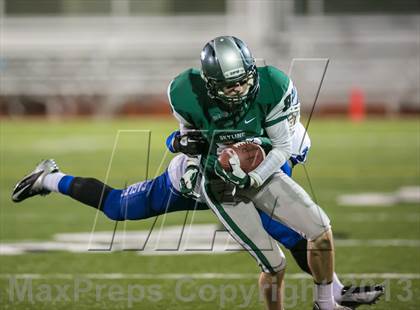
374 243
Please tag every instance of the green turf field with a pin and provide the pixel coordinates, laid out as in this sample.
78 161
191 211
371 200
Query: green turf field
346 158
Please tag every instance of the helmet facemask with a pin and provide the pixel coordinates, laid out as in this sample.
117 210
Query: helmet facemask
229 100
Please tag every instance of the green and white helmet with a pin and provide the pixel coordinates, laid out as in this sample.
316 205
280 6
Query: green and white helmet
226 61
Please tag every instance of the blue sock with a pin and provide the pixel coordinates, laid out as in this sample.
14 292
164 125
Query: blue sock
64 184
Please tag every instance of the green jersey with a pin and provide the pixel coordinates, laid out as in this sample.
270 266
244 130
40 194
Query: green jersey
195 109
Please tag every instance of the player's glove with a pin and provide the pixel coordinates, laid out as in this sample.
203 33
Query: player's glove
237 177
188 182
301 158
192 143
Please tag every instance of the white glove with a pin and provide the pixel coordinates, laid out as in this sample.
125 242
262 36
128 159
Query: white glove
188 182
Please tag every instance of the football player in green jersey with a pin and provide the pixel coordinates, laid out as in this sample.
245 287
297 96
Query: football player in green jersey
232 100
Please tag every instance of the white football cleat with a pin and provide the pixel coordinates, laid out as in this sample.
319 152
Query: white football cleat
355 296
31 184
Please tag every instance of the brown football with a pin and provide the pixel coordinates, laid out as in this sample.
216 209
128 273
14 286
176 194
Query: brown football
250 155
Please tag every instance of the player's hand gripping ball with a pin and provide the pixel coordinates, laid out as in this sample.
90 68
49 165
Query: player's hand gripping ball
250 156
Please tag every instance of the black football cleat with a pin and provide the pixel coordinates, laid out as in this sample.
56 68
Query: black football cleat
355 296
31 184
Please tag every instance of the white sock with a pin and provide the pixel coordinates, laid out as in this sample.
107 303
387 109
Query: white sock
51 181
324 296
337 287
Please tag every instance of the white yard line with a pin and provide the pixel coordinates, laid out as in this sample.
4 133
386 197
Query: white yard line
363 217
412 243
100 243
198 276
405 194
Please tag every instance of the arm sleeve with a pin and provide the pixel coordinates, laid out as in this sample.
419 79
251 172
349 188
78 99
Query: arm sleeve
279 135
277 128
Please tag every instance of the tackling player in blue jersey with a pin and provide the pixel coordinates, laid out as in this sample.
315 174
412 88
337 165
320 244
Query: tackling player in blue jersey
163 194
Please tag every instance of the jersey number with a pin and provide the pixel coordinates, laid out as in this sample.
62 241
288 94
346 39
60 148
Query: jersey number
287 102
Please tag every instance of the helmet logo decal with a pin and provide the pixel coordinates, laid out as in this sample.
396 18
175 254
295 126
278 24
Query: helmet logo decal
234 72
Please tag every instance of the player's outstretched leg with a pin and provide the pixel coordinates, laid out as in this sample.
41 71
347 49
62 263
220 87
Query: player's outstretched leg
138 201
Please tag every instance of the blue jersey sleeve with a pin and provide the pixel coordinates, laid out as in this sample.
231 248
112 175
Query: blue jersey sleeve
170 140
